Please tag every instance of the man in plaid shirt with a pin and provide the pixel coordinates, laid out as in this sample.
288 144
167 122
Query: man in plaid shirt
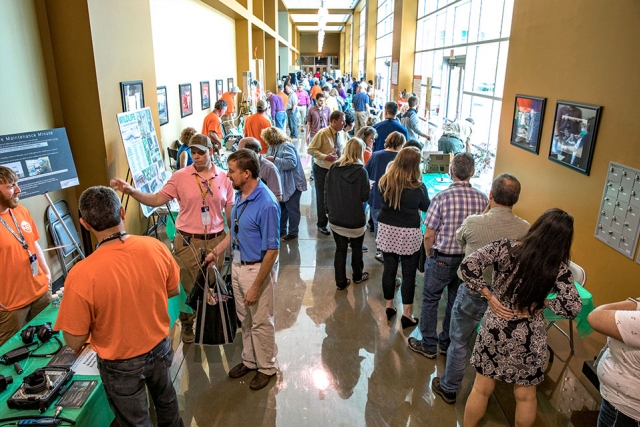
446 213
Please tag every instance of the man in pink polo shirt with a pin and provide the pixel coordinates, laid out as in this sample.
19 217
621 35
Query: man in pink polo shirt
203 193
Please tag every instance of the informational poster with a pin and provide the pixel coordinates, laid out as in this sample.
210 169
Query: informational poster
143 153
42 159
417 86
394 72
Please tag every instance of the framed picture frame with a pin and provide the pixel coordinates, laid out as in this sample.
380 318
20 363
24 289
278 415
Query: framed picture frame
163 107
219 89
575 128
186 100
132 95
528 117
205 98
229 84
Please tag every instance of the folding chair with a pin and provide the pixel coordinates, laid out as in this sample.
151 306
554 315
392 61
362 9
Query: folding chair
67 253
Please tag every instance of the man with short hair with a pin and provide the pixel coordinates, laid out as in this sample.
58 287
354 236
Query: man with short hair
104 297
292 111
25 275
304 103
255 243
283 95
256 123
317 118
446 213
456 137
212 126
230 99
388 126
410 121
268 171
325 150
361 106
495 223
278 113
315 90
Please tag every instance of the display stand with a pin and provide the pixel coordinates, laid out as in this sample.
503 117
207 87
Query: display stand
64 226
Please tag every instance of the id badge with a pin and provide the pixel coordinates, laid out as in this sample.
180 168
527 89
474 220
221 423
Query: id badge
33 259
236 256
206 217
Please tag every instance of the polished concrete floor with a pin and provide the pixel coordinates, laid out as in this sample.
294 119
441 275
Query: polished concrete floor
343 364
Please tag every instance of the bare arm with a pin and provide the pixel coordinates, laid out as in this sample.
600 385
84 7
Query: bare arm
42 263
75 342
174 292
603 318
429 239
182 161
153 200
215 140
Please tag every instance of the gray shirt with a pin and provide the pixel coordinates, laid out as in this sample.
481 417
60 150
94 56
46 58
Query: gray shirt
410 121
293 100
269 174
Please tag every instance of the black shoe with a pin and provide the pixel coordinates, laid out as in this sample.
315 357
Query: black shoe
443 351
390 313
260 381
324 231
416 345
342 288
365 276
448 397
289 237
407 322
240 370
379 257
365 249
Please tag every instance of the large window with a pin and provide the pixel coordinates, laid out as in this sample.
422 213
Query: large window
384 42
462 46
361 40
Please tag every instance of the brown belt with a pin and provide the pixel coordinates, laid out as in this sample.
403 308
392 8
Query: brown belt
200 236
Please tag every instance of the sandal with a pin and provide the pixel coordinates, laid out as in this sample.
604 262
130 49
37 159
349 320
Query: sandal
365 276
379 257
342 288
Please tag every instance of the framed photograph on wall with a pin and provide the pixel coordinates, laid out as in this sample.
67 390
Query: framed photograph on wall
527 122
229 84
204 95
186 101
219 89
163 107
132 95
575 128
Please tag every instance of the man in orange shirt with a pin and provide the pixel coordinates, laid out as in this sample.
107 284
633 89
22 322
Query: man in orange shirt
119 296
282 95
230 99
212 127
256 123
315 90
25 275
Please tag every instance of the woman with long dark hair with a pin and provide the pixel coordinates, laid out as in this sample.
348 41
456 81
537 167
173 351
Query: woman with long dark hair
513 347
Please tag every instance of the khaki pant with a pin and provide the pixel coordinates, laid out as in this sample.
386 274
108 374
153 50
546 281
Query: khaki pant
187 255
361 120
12 321
259 349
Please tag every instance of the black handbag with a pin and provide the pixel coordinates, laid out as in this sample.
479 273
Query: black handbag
422 258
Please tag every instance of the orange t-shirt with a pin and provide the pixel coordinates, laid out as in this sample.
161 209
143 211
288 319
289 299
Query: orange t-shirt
284 97
254 125
367 156
316 89
119 295
212 123
19 287
230 103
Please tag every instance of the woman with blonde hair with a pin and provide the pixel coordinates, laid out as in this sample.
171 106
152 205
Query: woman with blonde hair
184 154
399 238
347 188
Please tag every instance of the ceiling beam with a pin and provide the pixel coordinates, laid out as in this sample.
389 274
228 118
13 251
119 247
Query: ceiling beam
328 24
315 11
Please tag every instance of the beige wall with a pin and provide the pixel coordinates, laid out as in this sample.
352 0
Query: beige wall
309 44
583 57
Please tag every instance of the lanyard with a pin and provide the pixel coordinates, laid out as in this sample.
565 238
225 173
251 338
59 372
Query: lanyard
20 239
236 222
205 182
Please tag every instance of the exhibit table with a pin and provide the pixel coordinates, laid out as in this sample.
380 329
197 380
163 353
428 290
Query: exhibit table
582 326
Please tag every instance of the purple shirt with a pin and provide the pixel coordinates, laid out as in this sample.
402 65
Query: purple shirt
342 93
448 210
303 98
276 105
318 119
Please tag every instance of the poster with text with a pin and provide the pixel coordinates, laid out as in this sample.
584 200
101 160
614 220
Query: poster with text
41 159
143 153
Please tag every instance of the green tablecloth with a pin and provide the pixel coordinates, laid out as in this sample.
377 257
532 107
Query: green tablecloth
582 326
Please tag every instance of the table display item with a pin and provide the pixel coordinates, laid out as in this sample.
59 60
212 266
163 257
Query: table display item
40 389
77 393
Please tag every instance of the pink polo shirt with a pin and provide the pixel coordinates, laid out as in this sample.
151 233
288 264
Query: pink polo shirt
184 187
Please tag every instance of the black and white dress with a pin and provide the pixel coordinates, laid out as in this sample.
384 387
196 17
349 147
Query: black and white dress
514 351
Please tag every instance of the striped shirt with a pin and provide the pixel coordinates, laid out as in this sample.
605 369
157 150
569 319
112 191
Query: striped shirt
448 210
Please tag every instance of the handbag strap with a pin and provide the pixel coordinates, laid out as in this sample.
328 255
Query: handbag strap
223 307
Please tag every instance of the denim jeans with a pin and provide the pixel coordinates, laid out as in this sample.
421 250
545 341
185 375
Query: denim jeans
610 417
409 268
281 117
292 118
290 213
440 273
466 313
124 382
340 258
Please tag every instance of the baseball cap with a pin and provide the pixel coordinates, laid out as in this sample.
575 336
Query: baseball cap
201 142
236 89
262 105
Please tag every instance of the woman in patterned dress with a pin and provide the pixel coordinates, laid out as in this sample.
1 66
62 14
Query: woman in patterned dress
512 343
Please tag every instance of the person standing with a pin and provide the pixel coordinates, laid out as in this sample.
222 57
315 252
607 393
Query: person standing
25 274
268 171
283 95
203 193
410 121
315 90
256 123
325 150
102 299
368 135
230 99
477 231
212 126
446 213
457 137
304 103
387 126
361 107
292 111
317 118
255 222
278 113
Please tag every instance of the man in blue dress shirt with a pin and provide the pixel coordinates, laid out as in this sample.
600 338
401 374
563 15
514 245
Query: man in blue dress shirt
387 126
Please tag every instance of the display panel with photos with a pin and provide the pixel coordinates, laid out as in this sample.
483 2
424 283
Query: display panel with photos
186 101
229 84
219 89
132 95
204 95
163 107
527 122
573 139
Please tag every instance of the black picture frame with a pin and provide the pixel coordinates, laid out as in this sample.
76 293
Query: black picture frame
573 140
528 116
186 100
229 84
219 89
163 105
132 95
205 95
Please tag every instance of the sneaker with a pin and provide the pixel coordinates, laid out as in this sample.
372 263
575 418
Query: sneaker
448 397
289 237
260 381
240 370
324 231
443 351
416 345
187 333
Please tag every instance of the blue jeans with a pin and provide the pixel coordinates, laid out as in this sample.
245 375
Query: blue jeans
290 212
124 382
611 417
281 117
466 313
440 272
293 123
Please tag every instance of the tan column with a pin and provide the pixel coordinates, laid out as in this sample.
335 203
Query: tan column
270 63
243 50
370 40
405 22
355 48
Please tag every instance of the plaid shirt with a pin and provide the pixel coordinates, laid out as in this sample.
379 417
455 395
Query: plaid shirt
448 210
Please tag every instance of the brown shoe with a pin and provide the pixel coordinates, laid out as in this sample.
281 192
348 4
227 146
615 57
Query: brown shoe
260 381
187 333
240 370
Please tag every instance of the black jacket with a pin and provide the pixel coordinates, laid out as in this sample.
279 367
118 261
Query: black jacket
346 189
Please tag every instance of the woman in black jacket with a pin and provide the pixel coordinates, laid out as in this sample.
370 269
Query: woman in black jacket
347 188
403 196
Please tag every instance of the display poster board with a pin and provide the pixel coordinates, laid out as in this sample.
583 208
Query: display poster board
394 72
42 159
143 153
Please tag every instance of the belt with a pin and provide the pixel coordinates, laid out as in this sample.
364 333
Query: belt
250 262
201 236
442 254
